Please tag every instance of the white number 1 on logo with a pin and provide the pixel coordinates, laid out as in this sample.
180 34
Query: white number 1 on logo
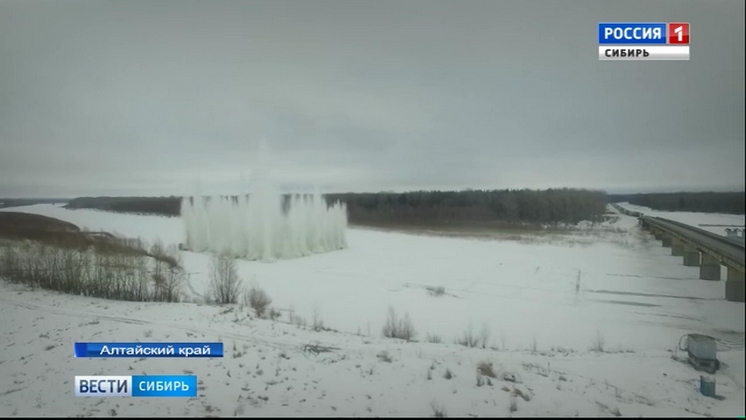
679 33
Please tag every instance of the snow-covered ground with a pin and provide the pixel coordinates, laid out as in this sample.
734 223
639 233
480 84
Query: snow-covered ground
712 222
632 297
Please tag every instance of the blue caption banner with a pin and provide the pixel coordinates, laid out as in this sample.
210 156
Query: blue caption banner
136 386
148 349
164 386
626 33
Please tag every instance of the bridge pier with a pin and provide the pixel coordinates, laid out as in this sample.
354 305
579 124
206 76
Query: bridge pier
703 249
691 256
665 239
709 268
734 286
677 248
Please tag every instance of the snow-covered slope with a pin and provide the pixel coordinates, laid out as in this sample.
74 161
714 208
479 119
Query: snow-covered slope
543 301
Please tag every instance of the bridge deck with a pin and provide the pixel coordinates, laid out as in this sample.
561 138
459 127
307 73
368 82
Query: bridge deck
729 251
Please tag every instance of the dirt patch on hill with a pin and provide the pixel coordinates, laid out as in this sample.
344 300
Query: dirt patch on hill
45 229
18 226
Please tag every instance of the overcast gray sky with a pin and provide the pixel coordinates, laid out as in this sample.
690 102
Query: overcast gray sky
163 97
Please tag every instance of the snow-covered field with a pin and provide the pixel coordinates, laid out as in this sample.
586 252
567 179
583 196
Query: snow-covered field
703 221
632 297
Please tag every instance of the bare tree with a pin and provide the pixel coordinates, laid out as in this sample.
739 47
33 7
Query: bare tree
225 285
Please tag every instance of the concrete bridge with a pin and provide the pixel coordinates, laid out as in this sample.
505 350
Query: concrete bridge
700 248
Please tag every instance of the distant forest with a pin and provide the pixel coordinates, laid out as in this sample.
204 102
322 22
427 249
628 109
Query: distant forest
474 206
707 202
468 207
421 208
165 206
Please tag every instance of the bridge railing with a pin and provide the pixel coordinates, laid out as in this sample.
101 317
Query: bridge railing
728 251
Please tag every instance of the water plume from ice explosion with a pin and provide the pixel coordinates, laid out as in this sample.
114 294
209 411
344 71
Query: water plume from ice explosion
264 226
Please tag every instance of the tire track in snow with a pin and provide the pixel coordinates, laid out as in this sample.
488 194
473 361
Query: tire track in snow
191 289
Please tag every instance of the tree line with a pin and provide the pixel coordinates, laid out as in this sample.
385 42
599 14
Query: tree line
707 202
419 207
475 206
164 206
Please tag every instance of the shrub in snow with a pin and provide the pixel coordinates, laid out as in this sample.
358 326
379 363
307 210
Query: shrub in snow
297 320
274 314
317 322
438 409
259 301
484 335
398 328
436 290
598 343
468 339
485 368
384 356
